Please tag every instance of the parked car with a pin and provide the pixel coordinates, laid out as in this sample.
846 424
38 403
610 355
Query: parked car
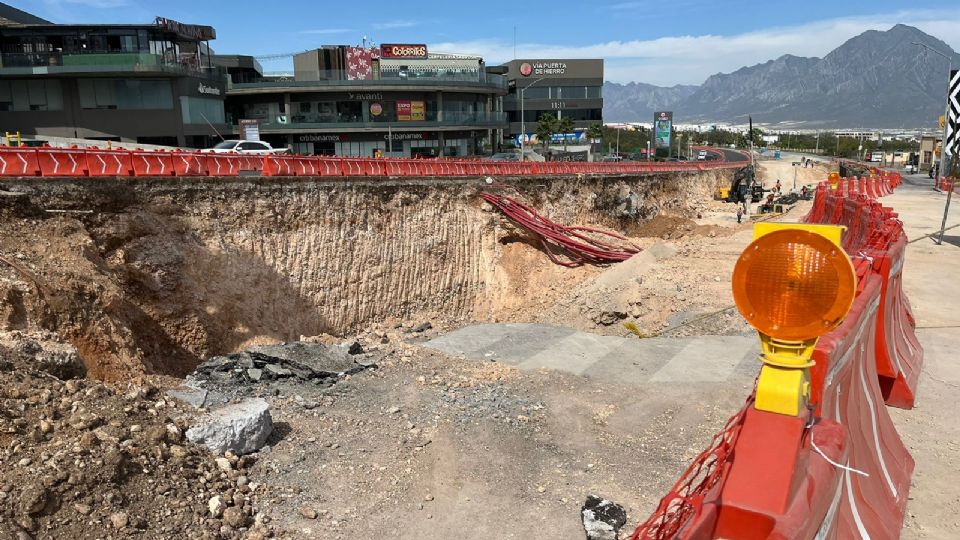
702 155
244 147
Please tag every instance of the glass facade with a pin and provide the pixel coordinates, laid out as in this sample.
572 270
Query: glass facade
198 110
125 94
31 95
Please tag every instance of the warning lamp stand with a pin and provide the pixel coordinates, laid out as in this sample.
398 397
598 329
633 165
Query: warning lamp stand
784 383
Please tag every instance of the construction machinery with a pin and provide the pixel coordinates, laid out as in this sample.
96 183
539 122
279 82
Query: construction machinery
744 185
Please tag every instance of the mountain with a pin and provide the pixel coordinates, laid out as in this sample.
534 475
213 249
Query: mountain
638 101
876 79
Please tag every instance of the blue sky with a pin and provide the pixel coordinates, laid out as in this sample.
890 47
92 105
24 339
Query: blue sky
682 44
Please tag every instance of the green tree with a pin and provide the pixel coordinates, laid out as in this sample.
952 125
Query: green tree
546 127
565 125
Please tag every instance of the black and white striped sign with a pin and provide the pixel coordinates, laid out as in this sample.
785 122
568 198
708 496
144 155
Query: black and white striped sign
952 142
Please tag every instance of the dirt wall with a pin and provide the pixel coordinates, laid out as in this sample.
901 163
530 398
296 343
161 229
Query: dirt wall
150 275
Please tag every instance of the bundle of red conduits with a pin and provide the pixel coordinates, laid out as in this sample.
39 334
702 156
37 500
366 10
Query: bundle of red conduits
559 241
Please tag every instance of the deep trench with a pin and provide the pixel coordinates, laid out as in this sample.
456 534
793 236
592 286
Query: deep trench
153 275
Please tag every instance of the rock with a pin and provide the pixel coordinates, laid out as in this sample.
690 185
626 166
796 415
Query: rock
234 517
602 519
428 498
254 374
420 328
33 500
223 464
83 509
241 428
216 506
195 397
354 348
61 361
277 371
119 520
308 512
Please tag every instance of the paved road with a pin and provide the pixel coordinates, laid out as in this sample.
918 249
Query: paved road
607 358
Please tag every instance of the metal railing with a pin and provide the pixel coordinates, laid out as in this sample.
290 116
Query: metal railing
329 79
492 119
59 62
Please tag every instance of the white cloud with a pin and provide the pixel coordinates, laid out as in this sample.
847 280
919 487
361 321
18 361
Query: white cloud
673 60
394 24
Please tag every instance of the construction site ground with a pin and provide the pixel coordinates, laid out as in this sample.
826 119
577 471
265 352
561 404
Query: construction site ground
602 381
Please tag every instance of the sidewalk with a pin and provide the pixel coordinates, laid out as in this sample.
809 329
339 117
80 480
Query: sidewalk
931 430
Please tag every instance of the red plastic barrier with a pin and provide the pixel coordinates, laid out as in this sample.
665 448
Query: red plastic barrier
220 164
102 162
187 164
62 162
16 161
152 163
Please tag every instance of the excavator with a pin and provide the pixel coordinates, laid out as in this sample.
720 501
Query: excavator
744 184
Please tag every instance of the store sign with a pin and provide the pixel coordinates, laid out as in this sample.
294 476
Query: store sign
411 111
376 109
543 68
403 51
191 31
250 129
210 90
320 137
365 96
405 136
662 126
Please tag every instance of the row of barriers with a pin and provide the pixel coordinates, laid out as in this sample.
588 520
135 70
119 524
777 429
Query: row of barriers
840 470
947 184
81 162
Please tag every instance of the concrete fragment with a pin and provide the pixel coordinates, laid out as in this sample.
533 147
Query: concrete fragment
195 397
241 428
602 519
254 374
277 371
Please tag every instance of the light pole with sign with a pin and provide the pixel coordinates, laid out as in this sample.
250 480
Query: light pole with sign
523 123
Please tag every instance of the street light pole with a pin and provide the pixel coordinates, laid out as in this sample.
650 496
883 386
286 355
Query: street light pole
523 123
946 113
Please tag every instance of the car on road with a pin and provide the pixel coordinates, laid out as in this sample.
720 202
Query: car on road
239 146
702 155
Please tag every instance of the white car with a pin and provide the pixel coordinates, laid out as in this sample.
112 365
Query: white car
244 147
702 155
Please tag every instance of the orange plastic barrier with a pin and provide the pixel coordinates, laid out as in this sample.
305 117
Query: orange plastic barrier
103 162
146 163
220 164
18 161
62 161
187 164
840 471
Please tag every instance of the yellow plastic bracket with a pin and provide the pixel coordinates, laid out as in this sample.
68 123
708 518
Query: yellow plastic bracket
833 233
783 390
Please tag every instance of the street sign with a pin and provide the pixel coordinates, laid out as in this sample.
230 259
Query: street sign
952 139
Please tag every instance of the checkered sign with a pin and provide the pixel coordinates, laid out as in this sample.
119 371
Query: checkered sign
952 142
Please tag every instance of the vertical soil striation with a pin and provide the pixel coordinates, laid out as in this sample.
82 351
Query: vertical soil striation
151 275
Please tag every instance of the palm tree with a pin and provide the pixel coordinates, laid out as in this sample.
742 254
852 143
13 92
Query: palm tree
594 133
546 127
565 126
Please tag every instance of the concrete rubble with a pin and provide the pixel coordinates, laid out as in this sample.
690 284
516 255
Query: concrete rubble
602 519
240 428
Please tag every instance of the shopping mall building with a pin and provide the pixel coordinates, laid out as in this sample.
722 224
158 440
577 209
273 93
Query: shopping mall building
398 99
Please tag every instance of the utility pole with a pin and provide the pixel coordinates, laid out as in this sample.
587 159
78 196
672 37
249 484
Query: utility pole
523 124
648 149
946 117
618 141
817 149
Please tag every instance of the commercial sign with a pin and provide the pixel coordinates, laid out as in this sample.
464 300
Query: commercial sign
573 68
411 111
543 68
662 126
376 109
250 129
191 31
211 90
403 51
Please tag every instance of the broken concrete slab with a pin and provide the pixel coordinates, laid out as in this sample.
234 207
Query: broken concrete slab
241 428
602 519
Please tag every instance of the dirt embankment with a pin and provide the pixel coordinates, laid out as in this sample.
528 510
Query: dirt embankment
148 276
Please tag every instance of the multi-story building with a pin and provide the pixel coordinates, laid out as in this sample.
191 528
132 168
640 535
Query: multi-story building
359 101
565 88
143 83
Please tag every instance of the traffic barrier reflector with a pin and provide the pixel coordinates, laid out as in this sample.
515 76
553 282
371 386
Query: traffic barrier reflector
18 161
187 164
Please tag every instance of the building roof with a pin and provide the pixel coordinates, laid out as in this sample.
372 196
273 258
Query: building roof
11 16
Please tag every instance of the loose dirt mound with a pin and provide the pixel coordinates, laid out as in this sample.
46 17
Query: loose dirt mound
673 227
85 460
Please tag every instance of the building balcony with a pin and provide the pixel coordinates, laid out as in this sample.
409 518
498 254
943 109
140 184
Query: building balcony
449 120
483 82
55 63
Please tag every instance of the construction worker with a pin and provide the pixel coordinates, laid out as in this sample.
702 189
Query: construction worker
777 188
739 213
